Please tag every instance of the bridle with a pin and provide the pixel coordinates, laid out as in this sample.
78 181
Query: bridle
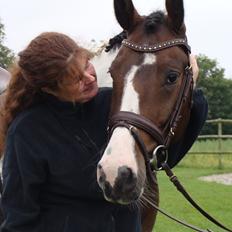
157 159
133 121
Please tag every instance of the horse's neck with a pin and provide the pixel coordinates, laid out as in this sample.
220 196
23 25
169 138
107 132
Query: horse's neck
4 79
102 63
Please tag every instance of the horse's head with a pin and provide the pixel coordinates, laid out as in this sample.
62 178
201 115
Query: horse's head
149 82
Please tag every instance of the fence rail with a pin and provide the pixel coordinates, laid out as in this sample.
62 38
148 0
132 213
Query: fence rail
219 137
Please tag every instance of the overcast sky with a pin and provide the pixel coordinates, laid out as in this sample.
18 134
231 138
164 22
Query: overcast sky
209 22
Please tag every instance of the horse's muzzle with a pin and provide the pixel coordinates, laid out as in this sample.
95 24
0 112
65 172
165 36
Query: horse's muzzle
124 189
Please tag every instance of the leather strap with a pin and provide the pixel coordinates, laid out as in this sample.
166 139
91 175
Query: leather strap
173 178
175 219
158 46
185 97
138 121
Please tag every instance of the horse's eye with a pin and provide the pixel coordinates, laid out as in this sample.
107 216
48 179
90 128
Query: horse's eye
172 78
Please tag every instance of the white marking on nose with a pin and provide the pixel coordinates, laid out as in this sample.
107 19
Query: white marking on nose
121 148
119 156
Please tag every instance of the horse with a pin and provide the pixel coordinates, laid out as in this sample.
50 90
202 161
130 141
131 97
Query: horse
151 102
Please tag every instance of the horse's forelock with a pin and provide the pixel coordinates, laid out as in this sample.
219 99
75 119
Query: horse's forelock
153 20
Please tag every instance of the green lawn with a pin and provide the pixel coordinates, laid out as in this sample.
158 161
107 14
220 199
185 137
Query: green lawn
214 198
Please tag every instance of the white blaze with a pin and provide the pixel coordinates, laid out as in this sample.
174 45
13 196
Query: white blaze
121 148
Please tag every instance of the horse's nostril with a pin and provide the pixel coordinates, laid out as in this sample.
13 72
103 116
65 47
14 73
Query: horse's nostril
108 190
126 180
102 179
125 173
101 174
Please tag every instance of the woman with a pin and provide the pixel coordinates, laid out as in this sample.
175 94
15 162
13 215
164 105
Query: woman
54 127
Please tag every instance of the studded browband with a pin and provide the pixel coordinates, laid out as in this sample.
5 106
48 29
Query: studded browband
157 46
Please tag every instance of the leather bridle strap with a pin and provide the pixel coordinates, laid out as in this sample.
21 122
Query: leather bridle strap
150 175
138 121
173 178
124 120
158 46
175 219
128 119
175 117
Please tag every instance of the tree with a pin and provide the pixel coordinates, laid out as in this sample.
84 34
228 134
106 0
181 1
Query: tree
6 55
218 91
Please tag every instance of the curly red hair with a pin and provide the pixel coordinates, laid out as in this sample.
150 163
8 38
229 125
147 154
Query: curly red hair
49 59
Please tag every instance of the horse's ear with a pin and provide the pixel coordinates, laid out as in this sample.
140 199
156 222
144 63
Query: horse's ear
126 14
175 9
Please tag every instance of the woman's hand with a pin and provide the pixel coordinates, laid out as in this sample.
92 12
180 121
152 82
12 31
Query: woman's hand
193 63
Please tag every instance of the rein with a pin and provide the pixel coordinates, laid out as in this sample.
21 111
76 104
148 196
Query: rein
158 159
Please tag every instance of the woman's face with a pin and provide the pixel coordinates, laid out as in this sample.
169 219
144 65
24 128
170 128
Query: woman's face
83 90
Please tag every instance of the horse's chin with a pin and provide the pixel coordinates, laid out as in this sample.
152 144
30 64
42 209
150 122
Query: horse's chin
125 199
122 201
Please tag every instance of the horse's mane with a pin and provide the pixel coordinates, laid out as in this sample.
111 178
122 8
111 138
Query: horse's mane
104 57
115 42
102 62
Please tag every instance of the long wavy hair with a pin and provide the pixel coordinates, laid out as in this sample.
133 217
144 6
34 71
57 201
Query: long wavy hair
47 61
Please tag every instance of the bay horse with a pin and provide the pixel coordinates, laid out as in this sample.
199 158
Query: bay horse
151 101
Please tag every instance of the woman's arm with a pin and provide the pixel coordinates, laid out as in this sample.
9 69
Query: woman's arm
23 176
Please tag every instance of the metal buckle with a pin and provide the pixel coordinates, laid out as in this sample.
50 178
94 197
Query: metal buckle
159 155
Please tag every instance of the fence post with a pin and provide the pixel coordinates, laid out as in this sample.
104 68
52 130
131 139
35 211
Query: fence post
220 165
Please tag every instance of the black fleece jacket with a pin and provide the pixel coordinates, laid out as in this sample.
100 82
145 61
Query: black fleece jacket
49 168
49 171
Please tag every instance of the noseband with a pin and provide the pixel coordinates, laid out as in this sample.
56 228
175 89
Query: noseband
133 121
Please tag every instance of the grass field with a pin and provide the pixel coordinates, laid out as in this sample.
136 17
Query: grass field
214 198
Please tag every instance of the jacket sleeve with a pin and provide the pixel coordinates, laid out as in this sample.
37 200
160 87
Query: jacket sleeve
198 117
23 176
127 219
